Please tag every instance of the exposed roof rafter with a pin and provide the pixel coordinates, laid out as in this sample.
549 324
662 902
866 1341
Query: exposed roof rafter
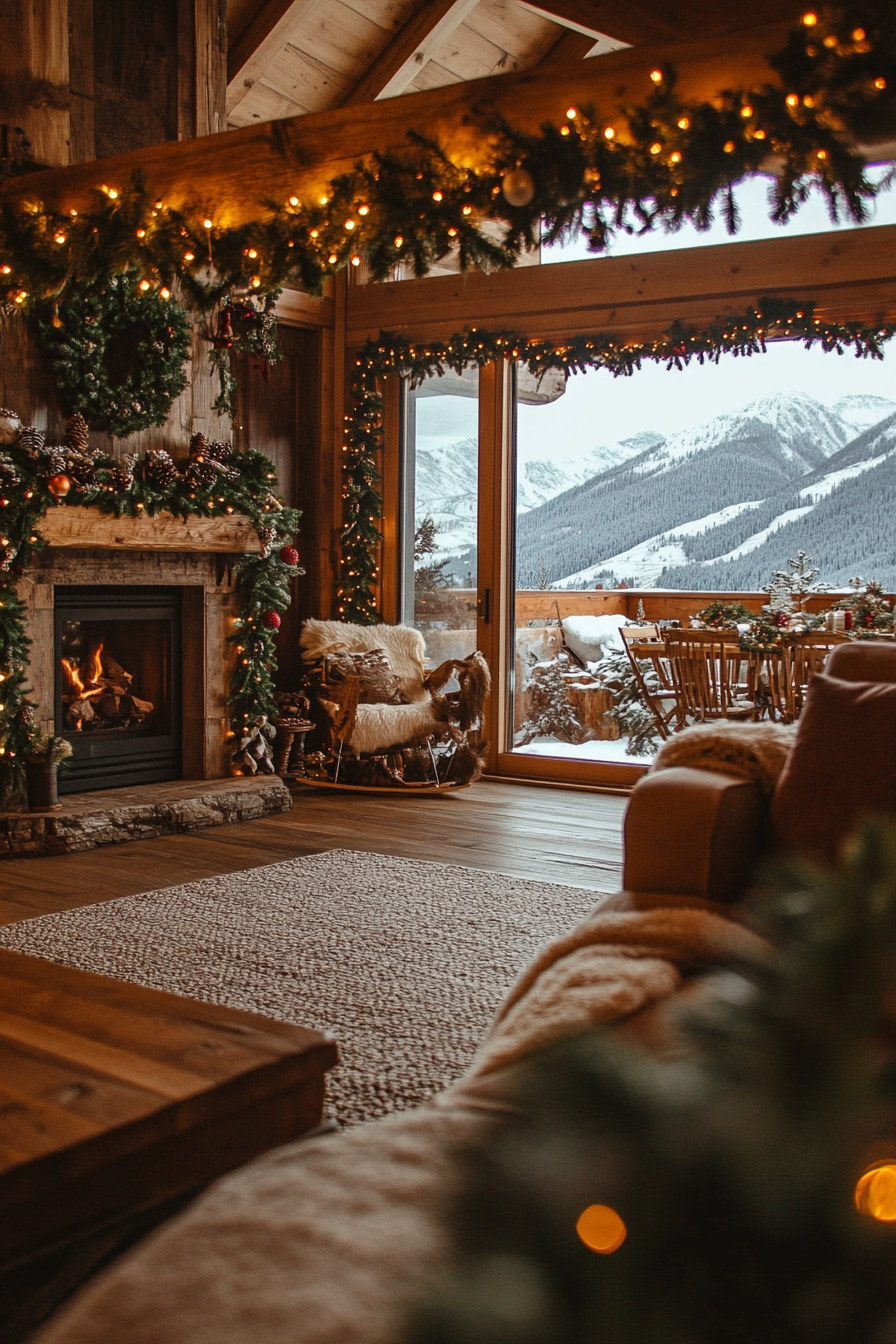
259 42
411 47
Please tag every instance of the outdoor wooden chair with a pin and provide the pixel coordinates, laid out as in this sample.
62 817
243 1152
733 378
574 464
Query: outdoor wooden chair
784 673
712 677
644 644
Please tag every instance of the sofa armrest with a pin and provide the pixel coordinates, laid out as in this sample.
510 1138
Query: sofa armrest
693 833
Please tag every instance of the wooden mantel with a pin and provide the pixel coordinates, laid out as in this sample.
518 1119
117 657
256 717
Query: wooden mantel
76 527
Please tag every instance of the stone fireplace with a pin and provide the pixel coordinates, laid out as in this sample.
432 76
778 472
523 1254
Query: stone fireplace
128 620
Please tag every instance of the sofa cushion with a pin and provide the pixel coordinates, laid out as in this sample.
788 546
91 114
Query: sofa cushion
842 767
863 660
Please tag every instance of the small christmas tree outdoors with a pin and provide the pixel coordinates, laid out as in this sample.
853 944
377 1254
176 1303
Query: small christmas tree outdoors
636 722
550 713
740 1191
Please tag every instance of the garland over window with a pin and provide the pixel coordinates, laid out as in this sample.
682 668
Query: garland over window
659 163
216 482
745 334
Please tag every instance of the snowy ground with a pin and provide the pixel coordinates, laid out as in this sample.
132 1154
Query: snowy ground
613 752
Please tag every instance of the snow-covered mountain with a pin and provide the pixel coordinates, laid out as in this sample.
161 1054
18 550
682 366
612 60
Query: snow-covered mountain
446 483
718 506
687 484
863 410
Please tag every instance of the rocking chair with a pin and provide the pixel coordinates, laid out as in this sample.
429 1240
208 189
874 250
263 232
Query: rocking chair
388 722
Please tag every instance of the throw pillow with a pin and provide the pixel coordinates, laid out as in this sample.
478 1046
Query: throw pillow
378 683
842 767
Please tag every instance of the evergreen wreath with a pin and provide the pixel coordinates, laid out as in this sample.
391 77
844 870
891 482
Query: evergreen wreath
118 352
746 333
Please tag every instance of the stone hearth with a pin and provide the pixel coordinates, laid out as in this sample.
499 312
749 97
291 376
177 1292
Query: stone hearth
88 820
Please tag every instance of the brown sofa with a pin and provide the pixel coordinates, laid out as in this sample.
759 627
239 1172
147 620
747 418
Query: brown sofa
700 833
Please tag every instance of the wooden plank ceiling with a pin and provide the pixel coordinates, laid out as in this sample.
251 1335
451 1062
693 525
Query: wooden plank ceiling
289 57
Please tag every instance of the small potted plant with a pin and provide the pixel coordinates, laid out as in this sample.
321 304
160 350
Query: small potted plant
41 769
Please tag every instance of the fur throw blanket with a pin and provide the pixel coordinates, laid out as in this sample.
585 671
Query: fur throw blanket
405 648
606 968
756 751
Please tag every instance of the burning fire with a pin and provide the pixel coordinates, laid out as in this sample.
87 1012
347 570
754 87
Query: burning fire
73 672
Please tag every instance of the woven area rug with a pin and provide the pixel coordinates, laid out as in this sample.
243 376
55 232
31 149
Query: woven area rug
404 962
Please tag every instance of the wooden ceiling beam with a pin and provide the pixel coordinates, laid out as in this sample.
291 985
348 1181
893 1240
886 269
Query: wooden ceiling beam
411 47
232 173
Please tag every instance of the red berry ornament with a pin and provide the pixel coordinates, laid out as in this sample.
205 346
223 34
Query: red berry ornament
271 620
289 555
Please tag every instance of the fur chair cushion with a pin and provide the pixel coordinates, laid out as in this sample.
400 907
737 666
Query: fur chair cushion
404 647
378 683
754 751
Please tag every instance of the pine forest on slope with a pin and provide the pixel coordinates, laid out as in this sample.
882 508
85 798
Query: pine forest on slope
719 506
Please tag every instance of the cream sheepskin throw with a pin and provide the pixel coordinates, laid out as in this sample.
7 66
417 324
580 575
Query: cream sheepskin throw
405 649
608 967
756 751
333 1240
380 727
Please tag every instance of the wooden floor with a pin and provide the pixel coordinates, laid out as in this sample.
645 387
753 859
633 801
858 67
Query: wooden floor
525 830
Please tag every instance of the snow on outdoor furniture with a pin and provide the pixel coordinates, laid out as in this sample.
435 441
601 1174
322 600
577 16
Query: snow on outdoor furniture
591 638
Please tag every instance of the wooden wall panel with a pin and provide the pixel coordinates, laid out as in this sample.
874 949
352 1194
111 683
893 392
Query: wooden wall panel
34 92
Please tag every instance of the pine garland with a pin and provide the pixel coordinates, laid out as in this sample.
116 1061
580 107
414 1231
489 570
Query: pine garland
747 333
231 483
660 163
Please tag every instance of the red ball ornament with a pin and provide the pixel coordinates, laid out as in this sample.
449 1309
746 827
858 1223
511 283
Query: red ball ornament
289 555
271 620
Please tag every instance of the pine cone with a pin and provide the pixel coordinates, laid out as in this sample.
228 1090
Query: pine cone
77 435
79 467
199 447
229 474
160 469
9 475
25 714
220 452
121 476
31 439
200 475
53 461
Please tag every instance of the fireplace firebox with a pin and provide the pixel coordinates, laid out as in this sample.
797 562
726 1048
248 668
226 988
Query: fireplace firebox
118 685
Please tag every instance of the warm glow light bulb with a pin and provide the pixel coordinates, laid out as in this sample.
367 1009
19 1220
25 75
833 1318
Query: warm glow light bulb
293 200
875 1193
656 76
601 1229
609 133
810 19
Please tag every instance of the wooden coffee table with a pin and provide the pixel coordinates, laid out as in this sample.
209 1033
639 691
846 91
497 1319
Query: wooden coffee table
115 1099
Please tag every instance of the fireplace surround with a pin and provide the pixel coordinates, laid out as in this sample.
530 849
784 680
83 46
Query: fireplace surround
104 574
